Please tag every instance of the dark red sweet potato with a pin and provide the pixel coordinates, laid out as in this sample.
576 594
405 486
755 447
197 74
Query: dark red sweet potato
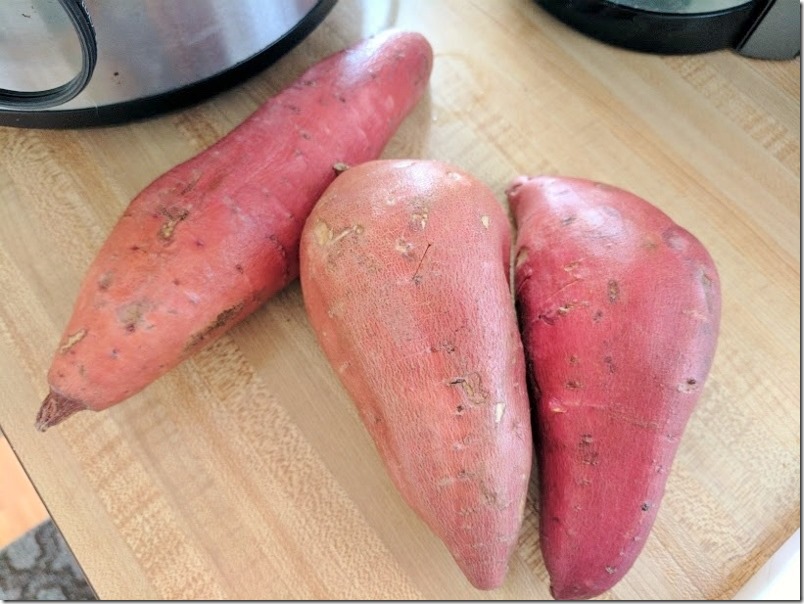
619 311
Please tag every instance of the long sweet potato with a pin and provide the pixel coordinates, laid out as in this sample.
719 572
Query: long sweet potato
619 310
209 241
404 272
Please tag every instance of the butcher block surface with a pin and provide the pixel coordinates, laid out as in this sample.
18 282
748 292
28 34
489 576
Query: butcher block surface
245 473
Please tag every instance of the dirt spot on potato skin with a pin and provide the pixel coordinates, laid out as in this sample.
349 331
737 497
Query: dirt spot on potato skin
105 280
173 216
222 319
587 452
131 315
472 386
613 290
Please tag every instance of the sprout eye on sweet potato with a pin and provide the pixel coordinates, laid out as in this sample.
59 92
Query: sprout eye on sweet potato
620 310
209 241
404 272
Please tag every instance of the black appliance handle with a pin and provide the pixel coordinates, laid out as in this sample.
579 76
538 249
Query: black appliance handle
43 99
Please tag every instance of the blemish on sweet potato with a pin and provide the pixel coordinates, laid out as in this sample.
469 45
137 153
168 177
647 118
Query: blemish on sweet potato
186 187
564 309
484 220
711 293
472 385
521 257
325 235
588 454
547 318
573 384
130 315
613 290
556 407
173 217
465 475
416 277
405 248
418 220
499 411
222 319
688 385
105 281
72 340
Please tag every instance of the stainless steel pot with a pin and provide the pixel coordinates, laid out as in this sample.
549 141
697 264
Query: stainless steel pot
68 63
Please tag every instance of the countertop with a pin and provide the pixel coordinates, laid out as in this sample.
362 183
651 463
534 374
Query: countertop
245 472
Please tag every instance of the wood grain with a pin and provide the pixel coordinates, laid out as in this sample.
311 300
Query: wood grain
246 474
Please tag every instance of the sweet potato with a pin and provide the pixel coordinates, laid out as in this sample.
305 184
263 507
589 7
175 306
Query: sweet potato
619 310
404 272
209 241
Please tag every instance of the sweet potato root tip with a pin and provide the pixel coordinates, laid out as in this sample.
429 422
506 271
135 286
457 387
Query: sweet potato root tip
55 409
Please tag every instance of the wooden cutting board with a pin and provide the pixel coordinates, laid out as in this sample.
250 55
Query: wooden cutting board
245 473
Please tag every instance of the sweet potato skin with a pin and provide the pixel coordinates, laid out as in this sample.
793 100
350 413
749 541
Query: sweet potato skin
619 310
209 241
404 272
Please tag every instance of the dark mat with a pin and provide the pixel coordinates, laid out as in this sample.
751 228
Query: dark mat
40 566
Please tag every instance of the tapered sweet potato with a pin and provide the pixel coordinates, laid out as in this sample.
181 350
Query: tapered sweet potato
404 272
209 241
619 310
